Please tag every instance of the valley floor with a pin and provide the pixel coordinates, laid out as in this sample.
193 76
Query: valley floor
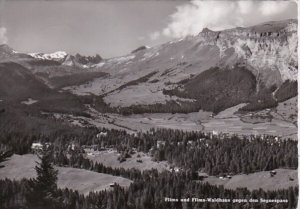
280 121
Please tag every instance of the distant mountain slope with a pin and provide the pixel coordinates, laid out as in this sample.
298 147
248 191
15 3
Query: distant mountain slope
24 97
268 51
16 83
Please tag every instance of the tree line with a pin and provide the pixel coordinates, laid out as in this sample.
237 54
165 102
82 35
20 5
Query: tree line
146 193
215 154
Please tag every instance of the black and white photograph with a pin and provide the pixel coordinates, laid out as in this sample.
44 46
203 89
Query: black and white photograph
148 104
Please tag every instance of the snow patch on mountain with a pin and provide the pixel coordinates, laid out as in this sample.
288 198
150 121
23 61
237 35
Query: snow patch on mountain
59 55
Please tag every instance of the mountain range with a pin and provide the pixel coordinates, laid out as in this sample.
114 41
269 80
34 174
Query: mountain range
212 71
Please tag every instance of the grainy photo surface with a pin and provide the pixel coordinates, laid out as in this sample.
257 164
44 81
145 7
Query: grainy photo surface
148 104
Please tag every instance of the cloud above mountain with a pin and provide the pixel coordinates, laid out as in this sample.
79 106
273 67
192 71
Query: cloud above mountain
3 37
191 18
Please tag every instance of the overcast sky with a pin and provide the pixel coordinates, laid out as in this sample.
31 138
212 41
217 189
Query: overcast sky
113 28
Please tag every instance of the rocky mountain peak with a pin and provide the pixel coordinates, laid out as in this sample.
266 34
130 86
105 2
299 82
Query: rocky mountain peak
88 59
206 30
79 60
5 50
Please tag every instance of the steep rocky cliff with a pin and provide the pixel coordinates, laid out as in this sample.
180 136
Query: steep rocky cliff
269 48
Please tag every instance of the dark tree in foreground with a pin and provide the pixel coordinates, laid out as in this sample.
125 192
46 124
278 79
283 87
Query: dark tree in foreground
43 190
4 154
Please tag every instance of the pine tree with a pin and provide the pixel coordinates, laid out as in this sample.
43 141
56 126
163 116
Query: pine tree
43 189
4 154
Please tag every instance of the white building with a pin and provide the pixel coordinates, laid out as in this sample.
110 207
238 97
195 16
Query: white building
39 146
36 146
104 134
160 143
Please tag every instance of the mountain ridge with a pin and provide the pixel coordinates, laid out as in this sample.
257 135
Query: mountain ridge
267 50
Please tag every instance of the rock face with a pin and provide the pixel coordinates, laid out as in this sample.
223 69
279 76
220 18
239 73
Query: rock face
269 48
89 59
82 61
